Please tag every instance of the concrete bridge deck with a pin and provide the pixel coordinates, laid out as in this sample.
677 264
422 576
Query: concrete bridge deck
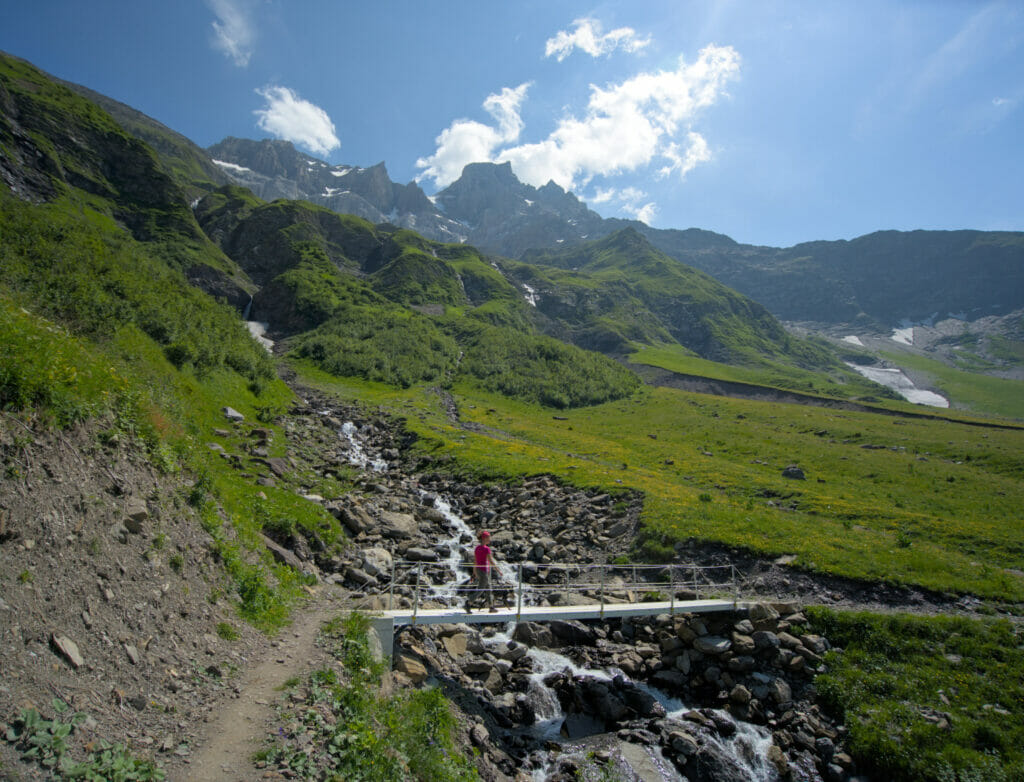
385 622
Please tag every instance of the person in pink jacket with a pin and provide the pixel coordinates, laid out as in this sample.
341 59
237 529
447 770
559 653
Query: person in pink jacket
483 563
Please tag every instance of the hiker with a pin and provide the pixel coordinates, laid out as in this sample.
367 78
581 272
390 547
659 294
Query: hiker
483 561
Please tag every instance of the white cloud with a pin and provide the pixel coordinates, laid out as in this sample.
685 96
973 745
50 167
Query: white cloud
684 161
628 200
625 127
588 38
628 125
601 196
287 116
233 32
467 141
645 213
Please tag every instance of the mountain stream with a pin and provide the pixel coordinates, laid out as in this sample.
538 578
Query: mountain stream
746 751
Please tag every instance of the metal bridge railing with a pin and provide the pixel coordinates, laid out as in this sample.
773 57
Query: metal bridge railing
532 583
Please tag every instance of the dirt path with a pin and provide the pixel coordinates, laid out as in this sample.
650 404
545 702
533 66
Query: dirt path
236 728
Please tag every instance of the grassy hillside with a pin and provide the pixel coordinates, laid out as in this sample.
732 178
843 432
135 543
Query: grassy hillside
101 325
388 305
622 287
97 330
932 503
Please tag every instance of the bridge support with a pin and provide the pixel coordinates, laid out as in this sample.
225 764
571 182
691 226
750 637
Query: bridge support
382 637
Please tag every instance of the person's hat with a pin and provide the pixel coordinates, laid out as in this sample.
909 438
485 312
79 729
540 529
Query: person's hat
485 534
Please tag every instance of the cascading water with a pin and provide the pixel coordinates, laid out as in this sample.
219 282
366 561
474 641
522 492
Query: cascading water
461 531
746 750
356 454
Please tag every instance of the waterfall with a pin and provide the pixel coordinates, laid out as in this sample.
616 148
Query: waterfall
356 453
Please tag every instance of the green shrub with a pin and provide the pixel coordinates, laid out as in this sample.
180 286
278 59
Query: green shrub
380 344
543 370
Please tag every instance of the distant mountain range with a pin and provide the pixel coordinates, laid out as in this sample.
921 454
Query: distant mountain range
878 280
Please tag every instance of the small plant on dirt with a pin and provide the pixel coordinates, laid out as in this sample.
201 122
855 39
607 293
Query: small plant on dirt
46 742
227 631
25 577
177 562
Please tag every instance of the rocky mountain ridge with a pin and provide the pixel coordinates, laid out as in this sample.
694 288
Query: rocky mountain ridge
882 278
274 169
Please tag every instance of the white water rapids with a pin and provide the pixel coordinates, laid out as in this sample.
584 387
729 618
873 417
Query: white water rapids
747 748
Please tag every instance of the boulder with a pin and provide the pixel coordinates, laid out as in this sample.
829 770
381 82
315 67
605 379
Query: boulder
740 694
533 634
778 760
398 525
411 667
643 703
278 466
793 472
619 528
788 641
743 644
670 680
68 649
418 554
493 681
137 512
359 576
761 612
283 555
377 561
603 703
683 743
815 643
712 644
574 632
577 726
455 644
764 639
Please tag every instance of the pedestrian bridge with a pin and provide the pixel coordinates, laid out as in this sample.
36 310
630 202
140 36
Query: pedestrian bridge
548 592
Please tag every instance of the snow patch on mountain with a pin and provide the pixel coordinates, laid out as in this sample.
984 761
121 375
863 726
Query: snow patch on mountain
232 167
894 378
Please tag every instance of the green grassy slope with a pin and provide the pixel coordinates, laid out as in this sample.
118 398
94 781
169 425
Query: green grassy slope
622 285
100 325
933 503
390 306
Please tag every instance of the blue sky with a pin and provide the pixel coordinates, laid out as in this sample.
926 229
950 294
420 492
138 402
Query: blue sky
772 122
